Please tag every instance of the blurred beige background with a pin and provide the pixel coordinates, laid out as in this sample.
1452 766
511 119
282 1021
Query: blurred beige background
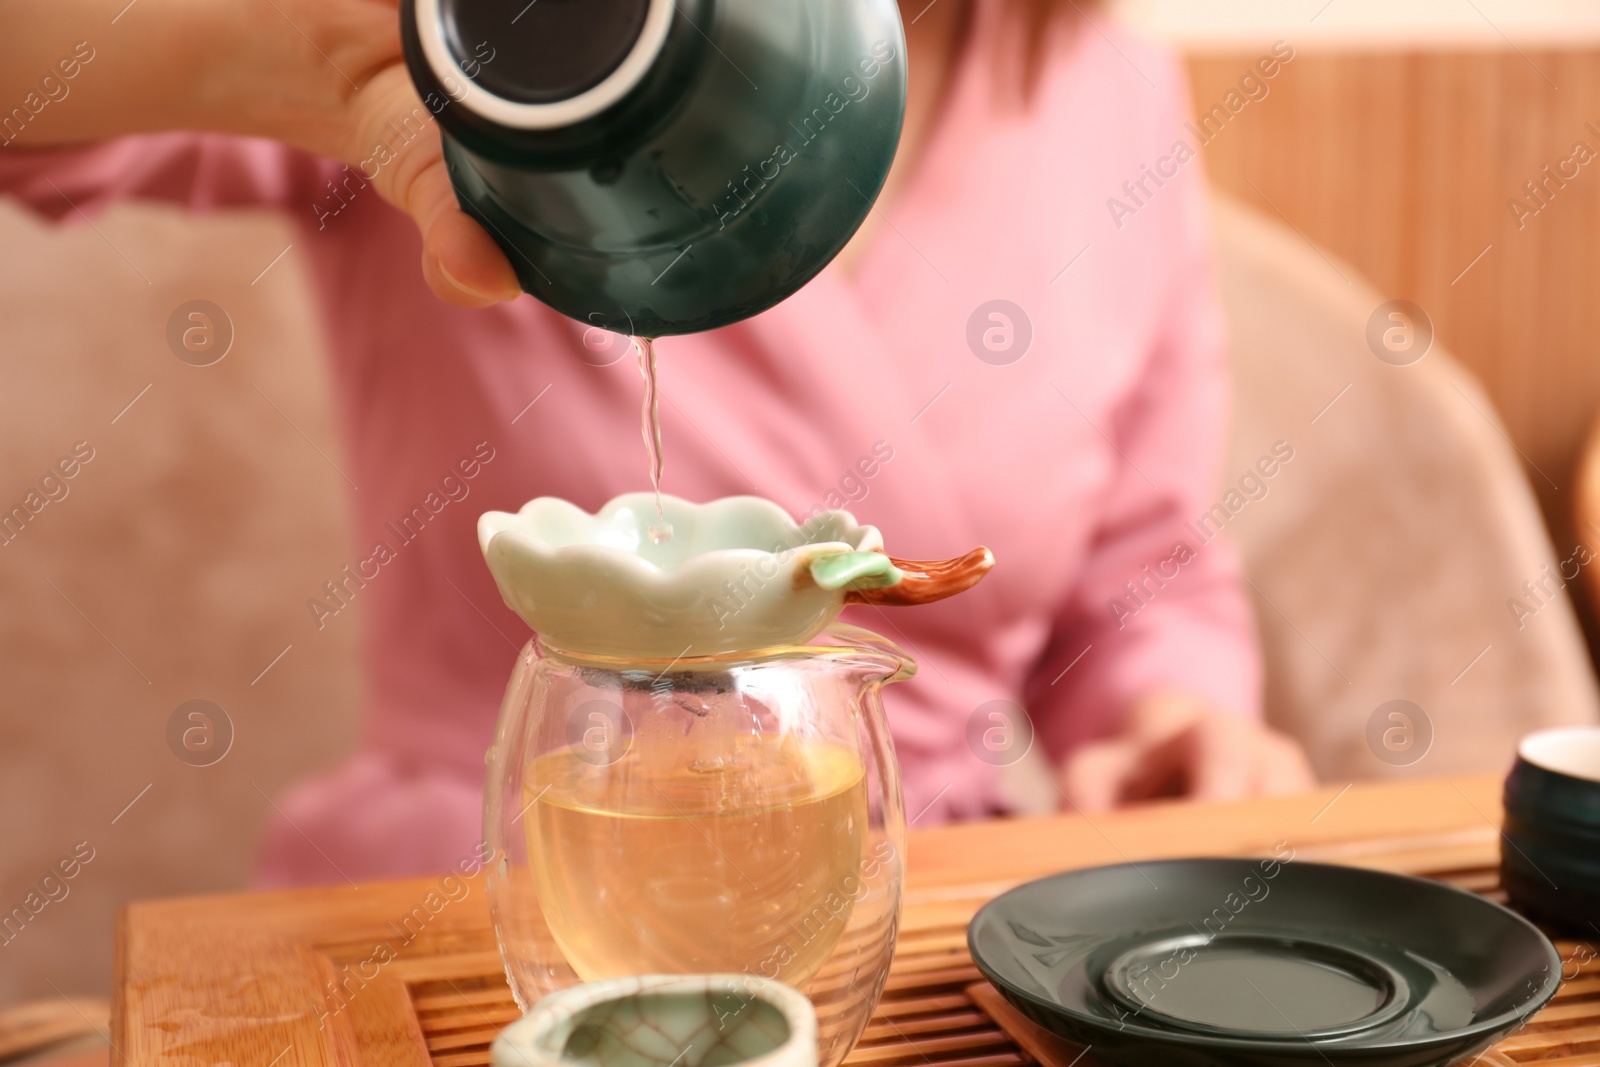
176 568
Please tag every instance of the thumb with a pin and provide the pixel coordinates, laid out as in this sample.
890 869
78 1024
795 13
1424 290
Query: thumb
460 261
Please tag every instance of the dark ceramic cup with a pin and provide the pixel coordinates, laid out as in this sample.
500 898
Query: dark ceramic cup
1550 856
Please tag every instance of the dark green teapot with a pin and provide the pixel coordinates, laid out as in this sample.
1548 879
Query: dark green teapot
663 166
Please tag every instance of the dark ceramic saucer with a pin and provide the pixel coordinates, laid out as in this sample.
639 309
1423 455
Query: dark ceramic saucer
1195 963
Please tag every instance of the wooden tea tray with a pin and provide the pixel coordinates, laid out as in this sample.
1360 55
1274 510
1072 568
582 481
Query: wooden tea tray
251 980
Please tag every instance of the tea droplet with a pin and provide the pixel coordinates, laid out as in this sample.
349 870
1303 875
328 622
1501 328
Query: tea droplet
660 532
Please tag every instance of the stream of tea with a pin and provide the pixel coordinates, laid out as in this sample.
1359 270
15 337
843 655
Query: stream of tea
650 425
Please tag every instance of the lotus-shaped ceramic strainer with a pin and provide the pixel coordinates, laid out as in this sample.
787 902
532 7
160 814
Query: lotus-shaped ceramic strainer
737 574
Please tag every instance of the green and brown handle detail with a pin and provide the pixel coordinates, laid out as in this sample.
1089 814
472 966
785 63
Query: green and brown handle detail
876 578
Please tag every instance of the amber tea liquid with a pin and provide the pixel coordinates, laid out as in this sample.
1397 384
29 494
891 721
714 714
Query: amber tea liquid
747 864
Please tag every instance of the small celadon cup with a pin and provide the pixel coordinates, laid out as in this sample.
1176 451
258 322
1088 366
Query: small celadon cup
1550 859
712 1020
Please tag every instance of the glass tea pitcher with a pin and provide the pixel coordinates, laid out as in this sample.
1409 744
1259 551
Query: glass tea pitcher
723 814
693 774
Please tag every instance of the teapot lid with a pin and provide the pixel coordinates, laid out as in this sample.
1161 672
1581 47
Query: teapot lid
737 575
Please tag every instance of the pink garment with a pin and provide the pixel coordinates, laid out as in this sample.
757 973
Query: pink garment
1078 464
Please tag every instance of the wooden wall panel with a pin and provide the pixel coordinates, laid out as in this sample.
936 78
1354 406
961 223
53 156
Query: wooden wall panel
1401 165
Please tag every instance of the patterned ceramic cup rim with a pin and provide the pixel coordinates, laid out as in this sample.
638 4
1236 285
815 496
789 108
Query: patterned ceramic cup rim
540 1037
1573 751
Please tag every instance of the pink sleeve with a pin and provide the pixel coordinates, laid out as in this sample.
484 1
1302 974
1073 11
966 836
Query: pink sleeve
200 171
1158 605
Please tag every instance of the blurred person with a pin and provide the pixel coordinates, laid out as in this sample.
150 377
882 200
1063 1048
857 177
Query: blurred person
1126 637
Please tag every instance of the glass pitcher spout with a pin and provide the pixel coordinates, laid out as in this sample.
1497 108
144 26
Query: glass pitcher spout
880 660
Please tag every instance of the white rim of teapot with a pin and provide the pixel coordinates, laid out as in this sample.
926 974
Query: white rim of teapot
460 87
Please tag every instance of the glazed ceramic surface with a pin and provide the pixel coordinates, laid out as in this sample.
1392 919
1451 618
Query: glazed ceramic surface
665 1021
1257 963
1550 854
737 574
663 166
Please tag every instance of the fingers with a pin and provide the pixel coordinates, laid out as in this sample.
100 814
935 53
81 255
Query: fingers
1231 758
1224 758
1143 762
460 261
1286 768
1172 746
1162 769
1095 775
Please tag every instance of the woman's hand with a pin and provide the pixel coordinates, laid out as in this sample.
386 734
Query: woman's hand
460 261
325 76
1173 745
351 48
